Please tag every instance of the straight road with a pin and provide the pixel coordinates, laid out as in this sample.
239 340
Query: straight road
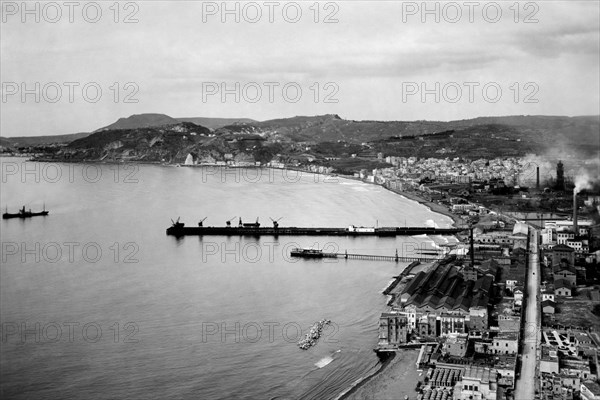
526 384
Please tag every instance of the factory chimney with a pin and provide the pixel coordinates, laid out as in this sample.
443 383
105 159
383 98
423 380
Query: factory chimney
537 178
575 227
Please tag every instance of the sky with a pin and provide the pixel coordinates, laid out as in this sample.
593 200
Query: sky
80 67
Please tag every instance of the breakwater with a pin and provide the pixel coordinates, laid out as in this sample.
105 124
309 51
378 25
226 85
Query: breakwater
310 339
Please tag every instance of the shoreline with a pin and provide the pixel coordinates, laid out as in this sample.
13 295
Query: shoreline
432 206
359 383
396 378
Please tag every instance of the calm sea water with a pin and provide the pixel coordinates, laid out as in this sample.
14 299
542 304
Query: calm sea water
97 302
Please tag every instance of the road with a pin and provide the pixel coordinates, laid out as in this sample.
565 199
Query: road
526 384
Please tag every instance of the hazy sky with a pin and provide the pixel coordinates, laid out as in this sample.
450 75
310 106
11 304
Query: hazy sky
371 61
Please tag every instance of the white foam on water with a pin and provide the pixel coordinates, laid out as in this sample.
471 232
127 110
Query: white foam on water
323 362
431 223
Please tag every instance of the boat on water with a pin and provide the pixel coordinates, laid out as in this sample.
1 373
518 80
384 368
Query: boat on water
307 253
25 214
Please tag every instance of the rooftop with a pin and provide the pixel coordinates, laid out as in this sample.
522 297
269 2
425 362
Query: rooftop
562 283
592 387
548 303
508 336
482 374
562 247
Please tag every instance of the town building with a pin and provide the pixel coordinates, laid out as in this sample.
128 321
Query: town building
562 252
456 345
568 274
506 343
393 329
547 295
477 383
562 287
549 360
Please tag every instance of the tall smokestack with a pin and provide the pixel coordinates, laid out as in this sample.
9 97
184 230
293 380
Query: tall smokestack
575 227
472 248
537 177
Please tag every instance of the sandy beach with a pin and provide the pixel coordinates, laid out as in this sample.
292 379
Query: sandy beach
396 380
414 196
435 207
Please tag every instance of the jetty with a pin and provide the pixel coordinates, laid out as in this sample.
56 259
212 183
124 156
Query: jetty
314 253
179 229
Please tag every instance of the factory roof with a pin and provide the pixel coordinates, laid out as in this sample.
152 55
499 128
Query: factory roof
482 374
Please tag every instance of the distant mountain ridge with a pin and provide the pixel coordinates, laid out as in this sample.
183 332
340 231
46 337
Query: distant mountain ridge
43 140
330 136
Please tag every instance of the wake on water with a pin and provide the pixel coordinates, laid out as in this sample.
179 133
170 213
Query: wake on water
325 361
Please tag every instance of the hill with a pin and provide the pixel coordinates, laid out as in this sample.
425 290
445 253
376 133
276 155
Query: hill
21 141
4 142
215 123
155 137
140 121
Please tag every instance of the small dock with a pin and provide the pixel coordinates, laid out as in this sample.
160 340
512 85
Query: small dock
311 253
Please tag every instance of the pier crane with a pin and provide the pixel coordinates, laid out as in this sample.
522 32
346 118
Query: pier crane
228 222
276 222
201 221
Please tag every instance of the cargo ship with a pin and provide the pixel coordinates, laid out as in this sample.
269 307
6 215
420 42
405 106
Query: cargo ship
25 214
255 229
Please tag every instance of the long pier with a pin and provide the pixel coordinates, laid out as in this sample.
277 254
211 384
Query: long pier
179 229
304 253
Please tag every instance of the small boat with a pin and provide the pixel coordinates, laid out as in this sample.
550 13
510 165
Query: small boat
25 214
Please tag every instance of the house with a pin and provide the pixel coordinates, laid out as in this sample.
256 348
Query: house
562 251
567 274
518 295
456 345
511 283
520 235
452 323
477 383
562 288
489 267
562 237
549 360
547 295
548 307
506 343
